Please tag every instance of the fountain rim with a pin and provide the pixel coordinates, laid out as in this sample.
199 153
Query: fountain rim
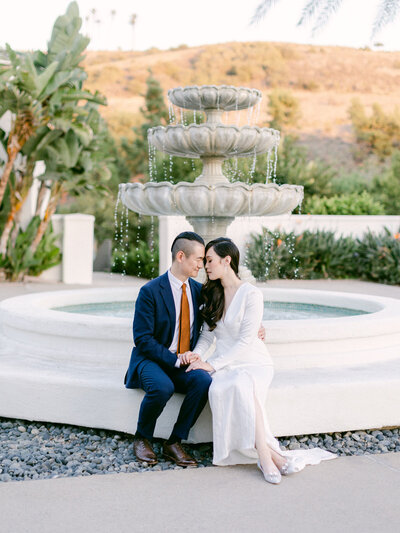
34 312
207 125
211 186
251 92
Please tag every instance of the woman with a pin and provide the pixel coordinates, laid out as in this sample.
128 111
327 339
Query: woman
242 370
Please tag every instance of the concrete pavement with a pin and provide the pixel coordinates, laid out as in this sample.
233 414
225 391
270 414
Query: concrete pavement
348 494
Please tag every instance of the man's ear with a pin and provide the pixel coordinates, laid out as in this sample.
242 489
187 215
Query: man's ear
179 256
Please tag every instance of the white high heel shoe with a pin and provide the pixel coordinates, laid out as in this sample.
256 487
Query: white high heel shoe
271 477
291 466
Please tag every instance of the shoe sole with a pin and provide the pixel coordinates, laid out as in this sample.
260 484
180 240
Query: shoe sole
154 462
148 462
178 463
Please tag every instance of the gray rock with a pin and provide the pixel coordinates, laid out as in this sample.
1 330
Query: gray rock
52 450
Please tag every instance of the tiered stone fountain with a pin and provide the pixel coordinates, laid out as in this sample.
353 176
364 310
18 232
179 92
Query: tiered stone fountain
211 203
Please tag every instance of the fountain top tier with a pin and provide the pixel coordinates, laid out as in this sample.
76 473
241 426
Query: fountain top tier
213 97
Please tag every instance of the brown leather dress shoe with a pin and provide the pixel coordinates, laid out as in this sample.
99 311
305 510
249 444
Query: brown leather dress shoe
175 452
144 452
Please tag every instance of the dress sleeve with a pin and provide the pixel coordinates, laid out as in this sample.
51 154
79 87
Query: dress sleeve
252 317
205 341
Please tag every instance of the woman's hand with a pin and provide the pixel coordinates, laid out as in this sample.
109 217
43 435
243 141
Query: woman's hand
203 365
261 333
188 357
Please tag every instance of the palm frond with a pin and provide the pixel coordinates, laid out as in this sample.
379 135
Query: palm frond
327 9
387 12
261 10
309 11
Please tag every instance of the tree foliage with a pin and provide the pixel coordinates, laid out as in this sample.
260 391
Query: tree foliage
320 11
284 108
154 113
54 120
378 132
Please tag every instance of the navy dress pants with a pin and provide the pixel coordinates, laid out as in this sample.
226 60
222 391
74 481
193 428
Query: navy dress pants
159 385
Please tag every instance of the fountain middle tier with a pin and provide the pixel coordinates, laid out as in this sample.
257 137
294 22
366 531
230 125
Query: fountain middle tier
213 140
211 200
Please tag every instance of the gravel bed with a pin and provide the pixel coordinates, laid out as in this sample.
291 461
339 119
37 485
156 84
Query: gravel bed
35 450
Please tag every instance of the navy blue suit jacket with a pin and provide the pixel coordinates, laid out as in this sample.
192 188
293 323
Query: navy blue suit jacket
154 325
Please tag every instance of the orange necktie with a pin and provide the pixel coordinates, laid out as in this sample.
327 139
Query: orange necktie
184 323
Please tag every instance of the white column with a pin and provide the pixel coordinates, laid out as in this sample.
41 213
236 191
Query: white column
75 239
78 249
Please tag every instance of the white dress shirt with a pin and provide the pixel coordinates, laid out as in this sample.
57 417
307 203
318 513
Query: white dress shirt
176 287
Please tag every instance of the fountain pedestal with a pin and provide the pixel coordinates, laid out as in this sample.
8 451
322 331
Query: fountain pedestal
210 227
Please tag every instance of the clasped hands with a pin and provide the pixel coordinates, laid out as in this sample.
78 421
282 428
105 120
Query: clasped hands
193 361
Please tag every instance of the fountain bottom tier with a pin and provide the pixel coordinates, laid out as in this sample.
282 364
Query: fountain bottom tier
331 374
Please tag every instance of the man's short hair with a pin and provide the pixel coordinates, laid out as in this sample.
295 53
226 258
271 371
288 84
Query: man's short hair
184 242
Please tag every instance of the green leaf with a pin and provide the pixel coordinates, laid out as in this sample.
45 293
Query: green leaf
44 78
83 132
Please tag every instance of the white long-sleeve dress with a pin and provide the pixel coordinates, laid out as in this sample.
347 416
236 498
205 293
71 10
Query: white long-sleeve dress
243 372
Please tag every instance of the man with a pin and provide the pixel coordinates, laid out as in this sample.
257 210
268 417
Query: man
165 329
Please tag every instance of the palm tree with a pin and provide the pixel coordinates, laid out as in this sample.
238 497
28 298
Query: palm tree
132 22
320 11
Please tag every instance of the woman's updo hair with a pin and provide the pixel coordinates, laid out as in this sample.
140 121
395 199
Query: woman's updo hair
212 292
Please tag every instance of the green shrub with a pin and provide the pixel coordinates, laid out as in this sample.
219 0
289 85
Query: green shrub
310 255
379 257
141 261
313 255
345 204
19 260
386 187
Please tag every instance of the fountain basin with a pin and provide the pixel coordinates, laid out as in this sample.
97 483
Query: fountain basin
213 140
331 374
206 200
223 97
31 321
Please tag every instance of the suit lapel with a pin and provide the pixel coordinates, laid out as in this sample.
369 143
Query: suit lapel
166 293
195 300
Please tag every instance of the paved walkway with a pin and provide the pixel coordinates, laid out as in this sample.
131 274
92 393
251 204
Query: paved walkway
100 279
349 494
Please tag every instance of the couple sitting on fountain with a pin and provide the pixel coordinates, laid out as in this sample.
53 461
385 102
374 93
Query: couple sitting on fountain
168 356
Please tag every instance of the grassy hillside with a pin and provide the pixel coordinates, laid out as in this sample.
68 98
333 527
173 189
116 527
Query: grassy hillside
324 79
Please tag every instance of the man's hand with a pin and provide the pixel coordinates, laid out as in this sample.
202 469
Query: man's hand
188 357
203 365
261 333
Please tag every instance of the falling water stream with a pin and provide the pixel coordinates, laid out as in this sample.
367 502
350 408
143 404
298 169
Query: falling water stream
232 169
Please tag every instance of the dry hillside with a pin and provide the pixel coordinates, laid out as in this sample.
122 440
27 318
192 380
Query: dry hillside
324 79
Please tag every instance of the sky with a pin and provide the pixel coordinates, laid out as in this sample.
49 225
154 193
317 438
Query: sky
26 24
